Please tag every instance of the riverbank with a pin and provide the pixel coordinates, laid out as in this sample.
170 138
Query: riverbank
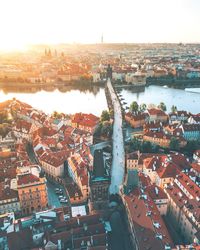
50 84
173 82
183 100
49 87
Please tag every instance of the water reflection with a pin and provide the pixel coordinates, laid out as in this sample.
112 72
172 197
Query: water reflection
49 88
66 99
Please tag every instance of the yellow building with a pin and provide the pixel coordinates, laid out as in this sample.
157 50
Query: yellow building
32 192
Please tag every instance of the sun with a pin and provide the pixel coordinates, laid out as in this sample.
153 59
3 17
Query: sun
10 46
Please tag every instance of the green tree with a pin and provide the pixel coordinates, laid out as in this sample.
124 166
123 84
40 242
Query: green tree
142 107
146 147
105 116
4 129
111 112
135 144
173 109
162 106
97 131
3 117
56 115
174 144
106 129
134 107
191 147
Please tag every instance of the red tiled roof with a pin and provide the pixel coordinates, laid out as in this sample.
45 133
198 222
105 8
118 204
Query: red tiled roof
138 117
21 124
189 185
143 224
20 240
85 119
157 112
156 192
196 167
27 179
159 135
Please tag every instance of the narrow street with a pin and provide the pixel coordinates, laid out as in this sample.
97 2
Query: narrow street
120 235
53 198
117 173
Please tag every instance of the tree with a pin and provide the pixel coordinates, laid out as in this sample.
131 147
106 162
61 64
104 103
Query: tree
111 113
4 129
174 144
173 109
192 146
162 106
106 129
134 107
105 116
143 107
56 115
3 117
97 131
146 147
135 144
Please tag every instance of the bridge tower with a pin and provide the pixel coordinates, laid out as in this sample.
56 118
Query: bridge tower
109 72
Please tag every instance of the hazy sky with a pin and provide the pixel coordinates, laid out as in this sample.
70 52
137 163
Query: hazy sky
55 21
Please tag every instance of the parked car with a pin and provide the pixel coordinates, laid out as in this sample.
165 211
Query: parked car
64 200
57 190
67 217
60 191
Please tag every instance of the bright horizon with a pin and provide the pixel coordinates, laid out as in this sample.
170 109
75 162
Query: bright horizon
26 22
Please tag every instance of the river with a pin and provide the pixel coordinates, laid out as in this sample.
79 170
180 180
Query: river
188 99
92 99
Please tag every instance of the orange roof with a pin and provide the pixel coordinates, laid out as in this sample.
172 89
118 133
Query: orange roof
189 185
157 112
27 179
147 227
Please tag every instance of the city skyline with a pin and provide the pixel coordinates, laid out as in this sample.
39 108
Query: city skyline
127 21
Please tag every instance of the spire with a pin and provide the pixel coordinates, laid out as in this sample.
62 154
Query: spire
49 53
102 38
